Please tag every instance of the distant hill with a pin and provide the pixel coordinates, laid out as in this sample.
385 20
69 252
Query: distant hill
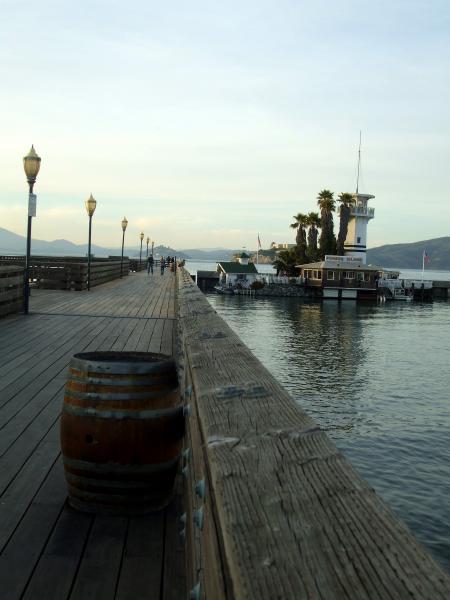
406 256
409 256
12 243
210 254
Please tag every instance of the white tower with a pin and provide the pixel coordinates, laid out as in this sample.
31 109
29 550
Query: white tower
360 214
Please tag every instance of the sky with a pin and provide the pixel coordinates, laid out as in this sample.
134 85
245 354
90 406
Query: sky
206 123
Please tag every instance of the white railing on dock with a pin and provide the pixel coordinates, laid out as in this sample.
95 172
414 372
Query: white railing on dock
395 284
269 279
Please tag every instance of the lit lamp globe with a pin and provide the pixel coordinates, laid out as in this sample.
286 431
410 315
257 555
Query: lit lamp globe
124 224
90 204
31 165
141 235
148 241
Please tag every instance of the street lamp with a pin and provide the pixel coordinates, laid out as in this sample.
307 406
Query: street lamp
124 226
148 241
31 165
140 253
90 208
153 243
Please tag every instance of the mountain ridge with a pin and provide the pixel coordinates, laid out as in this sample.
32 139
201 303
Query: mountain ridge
13 243
409 255
405 255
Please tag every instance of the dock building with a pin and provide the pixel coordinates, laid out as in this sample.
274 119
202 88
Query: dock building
343 277
232 273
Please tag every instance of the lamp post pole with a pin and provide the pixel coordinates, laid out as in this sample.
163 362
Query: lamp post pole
124 226
90 207
31 165
153 244
141 235
148 241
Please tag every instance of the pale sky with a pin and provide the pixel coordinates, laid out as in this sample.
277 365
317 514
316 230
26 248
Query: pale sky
205 123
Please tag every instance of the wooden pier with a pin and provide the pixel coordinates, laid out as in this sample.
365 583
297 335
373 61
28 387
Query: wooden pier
266 506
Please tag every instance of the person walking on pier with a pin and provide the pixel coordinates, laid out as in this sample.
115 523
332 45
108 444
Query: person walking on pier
150 262
163 265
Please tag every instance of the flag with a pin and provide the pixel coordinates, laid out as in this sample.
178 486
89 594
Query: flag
259 242
426 258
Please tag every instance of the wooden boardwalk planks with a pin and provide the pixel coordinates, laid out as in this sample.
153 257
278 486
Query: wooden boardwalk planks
48 550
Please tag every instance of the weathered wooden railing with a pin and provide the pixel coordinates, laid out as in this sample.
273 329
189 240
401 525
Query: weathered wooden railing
11 289
273 509
69 273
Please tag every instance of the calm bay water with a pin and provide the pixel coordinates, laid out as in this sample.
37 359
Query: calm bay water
376 378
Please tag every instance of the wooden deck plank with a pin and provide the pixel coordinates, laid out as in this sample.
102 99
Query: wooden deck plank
46 363
147 332
49 550
103 554
167 337
130 297
25 367
154 344
33 347
19 440
38 401
130 326
174 575
21 333
40 375
17 497
143 547
19 556
61 557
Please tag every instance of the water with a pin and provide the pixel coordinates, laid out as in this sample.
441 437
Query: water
375 377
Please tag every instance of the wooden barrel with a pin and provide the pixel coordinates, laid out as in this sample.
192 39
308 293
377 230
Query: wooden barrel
122 426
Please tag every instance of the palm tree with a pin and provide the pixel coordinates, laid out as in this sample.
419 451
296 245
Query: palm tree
313 224
327 241
346 200
300 239
285 262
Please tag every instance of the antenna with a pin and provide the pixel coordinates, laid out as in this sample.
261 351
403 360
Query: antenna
359 163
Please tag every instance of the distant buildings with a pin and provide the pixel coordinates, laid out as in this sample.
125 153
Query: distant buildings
275 246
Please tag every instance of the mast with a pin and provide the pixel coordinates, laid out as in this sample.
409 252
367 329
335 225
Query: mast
359 164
